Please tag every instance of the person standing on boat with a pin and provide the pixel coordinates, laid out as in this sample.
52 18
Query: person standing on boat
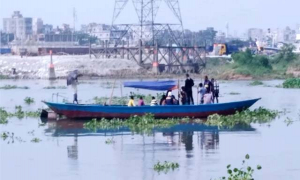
207 84
189 83
74 86
215 90
131 101
202 92
183 96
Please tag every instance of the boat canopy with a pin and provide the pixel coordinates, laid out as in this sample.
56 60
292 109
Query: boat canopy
152 85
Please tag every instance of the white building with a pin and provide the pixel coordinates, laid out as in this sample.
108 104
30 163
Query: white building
37 26
255 33
101 31
18 25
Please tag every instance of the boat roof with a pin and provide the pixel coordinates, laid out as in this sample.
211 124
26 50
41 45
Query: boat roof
152 85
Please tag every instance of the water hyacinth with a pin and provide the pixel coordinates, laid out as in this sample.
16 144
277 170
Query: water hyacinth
19 113
166 166
256 83
147 123
243 173
55 87
7 87
29 100
260 115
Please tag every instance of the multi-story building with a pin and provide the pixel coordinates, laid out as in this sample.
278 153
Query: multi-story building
255 33
37 26
47 28
101 31
18 25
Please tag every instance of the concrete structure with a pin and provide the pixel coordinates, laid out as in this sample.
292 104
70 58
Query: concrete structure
255 33
18 25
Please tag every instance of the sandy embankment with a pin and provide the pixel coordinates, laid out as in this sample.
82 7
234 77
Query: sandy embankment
37 67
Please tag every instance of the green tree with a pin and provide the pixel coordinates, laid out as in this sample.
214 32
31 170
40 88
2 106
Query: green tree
286 54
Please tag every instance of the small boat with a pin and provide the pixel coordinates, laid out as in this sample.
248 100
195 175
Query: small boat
168 111
80 111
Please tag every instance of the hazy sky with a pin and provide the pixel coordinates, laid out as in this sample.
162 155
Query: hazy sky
196 14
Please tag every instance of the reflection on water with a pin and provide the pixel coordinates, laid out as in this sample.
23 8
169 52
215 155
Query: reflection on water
73 150
177 135
209 140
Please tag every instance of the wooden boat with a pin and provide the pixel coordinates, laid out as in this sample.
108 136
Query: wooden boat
168 111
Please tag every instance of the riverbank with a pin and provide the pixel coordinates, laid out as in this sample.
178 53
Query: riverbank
37 68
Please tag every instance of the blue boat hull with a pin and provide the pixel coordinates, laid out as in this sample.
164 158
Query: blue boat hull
176 111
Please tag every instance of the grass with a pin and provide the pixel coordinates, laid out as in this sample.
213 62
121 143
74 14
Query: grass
8 87
29 100
166 166
256 83
291 83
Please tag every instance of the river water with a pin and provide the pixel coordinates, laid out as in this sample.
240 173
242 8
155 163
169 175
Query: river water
67 151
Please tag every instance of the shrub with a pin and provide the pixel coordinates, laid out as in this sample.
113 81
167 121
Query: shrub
247 64
291 83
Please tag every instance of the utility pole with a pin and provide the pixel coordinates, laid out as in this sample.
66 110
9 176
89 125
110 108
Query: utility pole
90 46
74 21
0 42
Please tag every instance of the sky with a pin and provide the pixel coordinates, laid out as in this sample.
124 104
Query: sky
196 14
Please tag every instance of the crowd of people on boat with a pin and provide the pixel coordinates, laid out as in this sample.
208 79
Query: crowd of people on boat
208 91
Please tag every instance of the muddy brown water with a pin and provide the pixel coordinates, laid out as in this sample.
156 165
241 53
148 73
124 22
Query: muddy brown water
67 151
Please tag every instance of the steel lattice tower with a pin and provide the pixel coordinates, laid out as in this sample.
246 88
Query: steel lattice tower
146 11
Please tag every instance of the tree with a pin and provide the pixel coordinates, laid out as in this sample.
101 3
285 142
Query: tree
286 53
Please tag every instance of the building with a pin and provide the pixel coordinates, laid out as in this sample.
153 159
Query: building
255 33
47 29
37 26
18 25
101 31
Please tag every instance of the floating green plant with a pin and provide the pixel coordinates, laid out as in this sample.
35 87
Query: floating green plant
7 87
166 166
243 173
36 140
256 83
145 124
3 116
19 113
5 135
55 87
109 141
291 83
139 124
234 93
29 100
260 115
10 137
